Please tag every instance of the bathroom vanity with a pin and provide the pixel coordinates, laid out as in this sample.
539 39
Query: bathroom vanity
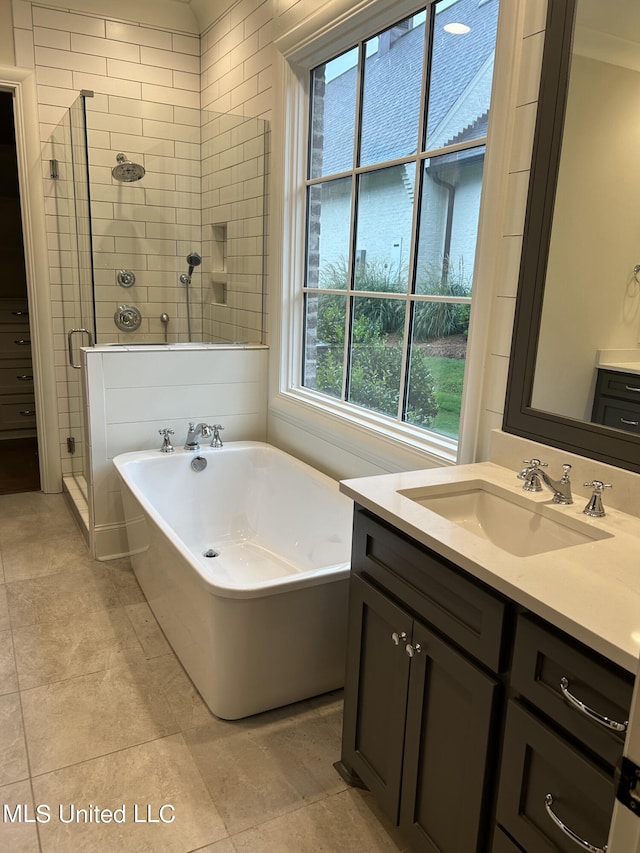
487 685
616 401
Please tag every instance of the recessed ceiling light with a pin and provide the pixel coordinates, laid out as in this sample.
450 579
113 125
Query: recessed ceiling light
457 29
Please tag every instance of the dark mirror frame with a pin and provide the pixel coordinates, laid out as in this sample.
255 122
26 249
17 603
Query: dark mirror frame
605 444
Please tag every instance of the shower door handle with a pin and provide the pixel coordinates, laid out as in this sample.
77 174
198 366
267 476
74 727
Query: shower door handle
70 335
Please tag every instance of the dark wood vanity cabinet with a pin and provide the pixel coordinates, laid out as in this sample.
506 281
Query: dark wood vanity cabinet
421 716
456 712
616 401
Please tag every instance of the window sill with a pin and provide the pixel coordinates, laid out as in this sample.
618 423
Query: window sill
362 432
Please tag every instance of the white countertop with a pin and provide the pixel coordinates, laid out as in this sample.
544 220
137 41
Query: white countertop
622 360
591 590
621 366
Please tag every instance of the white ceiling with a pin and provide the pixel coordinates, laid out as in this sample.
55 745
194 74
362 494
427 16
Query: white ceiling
191 16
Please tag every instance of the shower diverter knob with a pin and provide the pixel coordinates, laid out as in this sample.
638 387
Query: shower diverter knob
127 318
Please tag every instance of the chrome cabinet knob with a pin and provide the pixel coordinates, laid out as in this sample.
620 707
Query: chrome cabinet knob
413 650
398 637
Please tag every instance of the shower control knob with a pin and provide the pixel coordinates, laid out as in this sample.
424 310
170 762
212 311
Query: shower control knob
127 318
126 278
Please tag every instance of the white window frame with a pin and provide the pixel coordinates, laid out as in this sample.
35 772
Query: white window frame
333 28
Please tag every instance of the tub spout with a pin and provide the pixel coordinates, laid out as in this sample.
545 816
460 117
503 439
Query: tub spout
202 430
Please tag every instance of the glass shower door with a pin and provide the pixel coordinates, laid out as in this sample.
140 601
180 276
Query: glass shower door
69 207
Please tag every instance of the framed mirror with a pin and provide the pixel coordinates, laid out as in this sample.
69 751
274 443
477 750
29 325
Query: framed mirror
577 294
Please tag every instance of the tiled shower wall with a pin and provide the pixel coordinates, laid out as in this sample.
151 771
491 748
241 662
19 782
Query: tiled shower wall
147 104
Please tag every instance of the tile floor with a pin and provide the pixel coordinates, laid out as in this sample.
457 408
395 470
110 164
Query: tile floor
97 714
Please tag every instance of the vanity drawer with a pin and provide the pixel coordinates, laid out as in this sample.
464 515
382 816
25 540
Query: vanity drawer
543 658
538 762
465 611
15 343
14 312
17 413
617 414
625 386
16 376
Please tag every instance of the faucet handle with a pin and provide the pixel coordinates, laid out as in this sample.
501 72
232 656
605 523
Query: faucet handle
534 463
566 468
216 441
594 507
167 447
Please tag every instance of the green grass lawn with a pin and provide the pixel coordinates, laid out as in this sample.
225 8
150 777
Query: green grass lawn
448 374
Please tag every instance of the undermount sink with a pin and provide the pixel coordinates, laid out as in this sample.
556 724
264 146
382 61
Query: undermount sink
509 521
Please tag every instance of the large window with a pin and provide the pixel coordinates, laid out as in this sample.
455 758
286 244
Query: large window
397 133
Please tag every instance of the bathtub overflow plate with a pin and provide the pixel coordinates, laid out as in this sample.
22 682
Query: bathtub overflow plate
199 463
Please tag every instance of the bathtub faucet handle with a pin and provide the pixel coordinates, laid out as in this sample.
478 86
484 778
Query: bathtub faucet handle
167 447
216 441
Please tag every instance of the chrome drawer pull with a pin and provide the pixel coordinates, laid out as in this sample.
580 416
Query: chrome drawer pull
27 412
632 388
548 802
24 377
589 712
26 314
21 342
629 423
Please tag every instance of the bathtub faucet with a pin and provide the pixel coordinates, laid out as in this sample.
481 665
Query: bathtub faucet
195 432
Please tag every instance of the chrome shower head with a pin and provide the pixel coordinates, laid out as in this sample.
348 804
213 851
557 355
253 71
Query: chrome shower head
194 260
127 171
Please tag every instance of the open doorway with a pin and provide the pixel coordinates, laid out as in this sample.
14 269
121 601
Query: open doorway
19 467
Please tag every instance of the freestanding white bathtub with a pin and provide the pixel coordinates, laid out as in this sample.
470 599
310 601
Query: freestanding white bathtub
245 565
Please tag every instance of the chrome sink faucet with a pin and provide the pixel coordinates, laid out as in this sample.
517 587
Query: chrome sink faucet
534 476
202 430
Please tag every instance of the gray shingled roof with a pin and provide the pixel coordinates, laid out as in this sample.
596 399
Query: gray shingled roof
390 119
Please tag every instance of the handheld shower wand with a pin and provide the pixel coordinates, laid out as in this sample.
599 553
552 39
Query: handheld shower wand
194 260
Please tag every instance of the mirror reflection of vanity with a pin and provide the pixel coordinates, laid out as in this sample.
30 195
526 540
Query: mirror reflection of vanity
575 360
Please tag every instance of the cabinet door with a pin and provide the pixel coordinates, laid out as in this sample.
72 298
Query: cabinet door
375 697
451 722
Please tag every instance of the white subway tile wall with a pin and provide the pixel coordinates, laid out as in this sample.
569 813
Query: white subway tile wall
147 83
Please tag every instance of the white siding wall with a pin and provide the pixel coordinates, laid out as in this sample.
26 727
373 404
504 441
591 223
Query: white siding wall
131 395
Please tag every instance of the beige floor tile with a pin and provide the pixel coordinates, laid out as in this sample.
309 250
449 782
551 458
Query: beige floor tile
224 846
341 822
91 715
60 596
187 705
13 754
149 776
32 557
152 640
27 515
267 770
124 580
8 676
17 834
64 648
5 622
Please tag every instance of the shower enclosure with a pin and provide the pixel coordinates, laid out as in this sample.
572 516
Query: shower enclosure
168 183
136 191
